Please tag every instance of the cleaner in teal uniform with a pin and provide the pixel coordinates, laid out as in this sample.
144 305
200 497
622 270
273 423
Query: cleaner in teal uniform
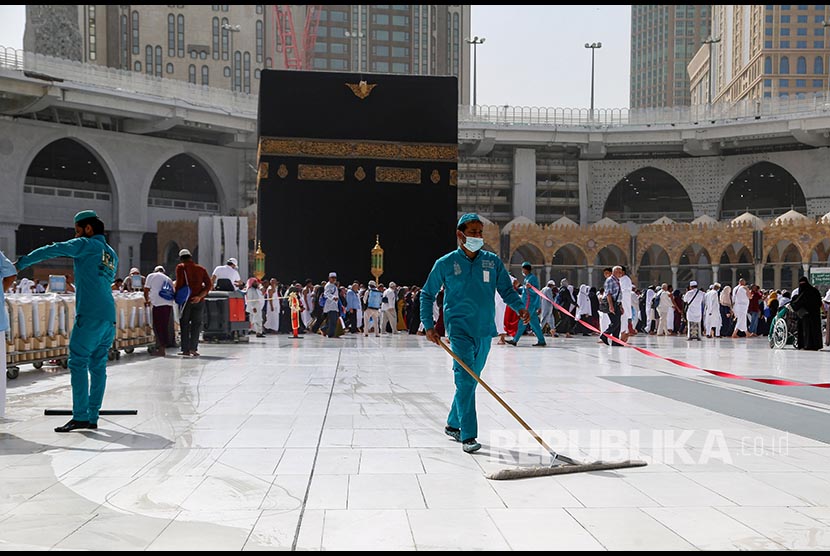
470 278
95 264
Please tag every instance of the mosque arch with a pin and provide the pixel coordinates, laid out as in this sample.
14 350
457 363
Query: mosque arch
647 194
530 253
184 183
655 267
610 255
695 263
764 189
569 261
67 176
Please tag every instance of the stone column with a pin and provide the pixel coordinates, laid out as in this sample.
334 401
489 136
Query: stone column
547 274
8 240
591 276
776 276
806 267
734 276
759 274
673 277
715 272
524 178
128 247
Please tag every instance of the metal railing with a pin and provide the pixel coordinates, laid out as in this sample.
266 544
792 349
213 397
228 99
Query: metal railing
246 105
171 90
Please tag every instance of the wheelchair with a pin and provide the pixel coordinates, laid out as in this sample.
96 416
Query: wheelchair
783 330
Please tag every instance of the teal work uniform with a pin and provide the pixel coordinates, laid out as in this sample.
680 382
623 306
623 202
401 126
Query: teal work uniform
95 263
470 320
531 302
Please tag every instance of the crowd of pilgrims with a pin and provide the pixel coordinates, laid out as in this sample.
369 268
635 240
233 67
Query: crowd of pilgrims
744 310
399 310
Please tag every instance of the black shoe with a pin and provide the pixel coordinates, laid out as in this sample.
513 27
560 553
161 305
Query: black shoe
73 424
511 342
539 344
452 432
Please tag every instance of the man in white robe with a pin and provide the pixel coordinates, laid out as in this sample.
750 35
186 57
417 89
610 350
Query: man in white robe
649 310
712 317
546 317
740 306
693 301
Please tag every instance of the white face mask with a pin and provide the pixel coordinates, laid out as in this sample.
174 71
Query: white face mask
473 243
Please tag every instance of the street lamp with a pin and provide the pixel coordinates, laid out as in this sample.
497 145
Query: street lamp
357 35
232 29
475 41
710 41
593 46
824 25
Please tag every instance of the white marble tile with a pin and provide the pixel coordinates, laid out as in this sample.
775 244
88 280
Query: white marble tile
346 443
628 529
385 492
114 532
542 530
390 460
604 490
328 492
785 526
446 529
708 529
744 490
458 492
358 530
275 530
378 438
673 489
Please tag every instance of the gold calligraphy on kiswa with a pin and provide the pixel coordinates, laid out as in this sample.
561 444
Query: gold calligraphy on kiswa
358 149
319 172
385 174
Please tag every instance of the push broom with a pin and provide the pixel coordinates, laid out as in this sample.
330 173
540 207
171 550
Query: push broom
560 465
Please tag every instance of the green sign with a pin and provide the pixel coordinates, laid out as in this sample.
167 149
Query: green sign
820 276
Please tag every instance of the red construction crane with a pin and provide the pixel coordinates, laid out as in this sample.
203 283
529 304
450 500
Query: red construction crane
294 56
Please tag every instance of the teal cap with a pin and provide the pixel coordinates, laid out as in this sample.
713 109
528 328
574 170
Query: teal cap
469 217
526 265
84 214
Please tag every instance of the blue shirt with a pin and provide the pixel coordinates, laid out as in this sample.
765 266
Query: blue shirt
6 270
94 266
612 286
352 300
469 293
529 295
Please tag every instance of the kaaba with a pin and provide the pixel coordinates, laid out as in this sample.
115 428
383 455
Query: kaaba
345 158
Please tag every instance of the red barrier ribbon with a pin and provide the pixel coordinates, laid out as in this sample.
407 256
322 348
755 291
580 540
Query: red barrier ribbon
679 363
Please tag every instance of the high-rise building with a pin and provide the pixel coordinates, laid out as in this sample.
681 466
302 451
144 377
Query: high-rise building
764 51
227 45
663 40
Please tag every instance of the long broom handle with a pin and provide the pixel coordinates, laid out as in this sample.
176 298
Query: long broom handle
502 402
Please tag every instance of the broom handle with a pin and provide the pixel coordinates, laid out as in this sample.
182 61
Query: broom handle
501 401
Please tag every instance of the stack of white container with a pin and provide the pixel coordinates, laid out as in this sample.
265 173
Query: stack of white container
40 325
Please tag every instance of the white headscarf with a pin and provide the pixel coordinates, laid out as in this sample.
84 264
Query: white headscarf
583 302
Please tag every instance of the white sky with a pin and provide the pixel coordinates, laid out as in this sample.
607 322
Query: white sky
532 56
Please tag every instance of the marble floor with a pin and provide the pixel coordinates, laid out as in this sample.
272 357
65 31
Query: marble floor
338 444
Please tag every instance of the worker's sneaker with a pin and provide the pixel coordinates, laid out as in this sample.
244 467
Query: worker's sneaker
511 342
454 433
470 445
73 425
540 344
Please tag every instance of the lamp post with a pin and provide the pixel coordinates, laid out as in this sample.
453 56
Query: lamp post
593 46
710 41
232 29
357 35
824 25
475 41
